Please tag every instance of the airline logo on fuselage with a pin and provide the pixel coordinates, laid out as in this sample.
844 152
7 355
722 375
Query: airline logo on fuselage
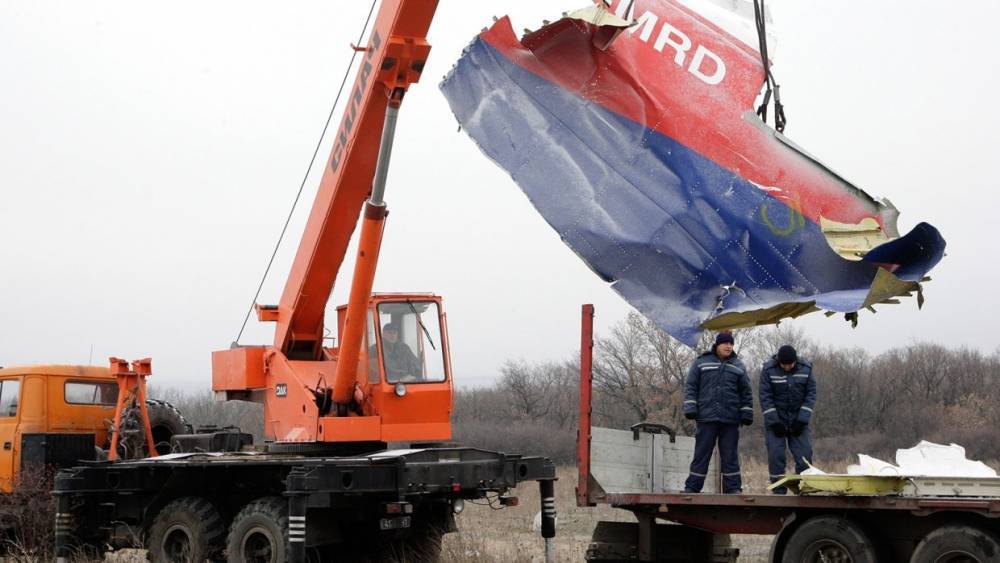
703 63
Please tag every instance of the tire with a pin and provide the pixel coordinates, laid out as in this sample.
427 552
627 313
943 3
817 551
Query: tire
259 533
829 539
187 530
165 421
957 543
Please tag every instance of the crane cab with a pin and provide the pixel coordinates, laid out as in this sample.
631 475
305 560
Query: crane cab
406 368
401 383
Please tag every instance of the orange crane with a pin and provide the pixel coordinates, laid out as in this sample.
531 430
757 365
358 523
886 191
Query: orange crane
325 486
366 389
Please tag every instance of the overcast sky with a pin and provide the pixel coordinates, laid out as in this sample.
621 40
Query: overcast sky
149 154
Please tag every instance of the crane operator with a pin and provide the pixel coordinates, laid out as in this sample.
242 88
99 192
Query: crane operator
400 362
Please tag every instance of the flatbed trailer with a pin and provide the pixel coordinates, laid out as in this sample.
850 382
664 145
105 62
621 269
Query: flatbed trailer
642 469
282 506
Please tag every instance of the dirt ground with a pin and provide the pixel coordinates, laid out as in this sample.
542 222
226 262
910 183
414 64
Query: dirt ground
488 535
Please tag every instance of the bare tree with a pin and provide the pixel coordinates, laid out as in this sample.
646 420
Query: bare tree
762 343
886 386
844 403
622 371
563 393
643 370
525 390
927 368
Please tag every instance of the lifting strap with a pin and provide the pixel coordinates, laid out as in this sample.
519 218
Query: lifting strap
779 109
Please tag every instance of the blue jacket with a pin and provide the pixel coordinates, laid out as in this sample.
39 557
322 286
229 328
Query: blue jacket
787 397
718 391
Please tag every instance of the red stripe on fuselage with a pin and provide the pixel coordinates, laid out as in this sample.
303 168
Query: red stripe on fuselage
646 85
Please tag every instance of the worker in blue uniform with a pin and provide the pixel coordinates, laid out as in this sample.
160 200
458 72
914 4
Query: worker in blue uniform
787 398
717 395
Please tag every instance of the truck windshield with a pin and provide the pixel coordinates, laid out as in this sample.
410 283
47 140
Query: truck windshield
412 348
89 393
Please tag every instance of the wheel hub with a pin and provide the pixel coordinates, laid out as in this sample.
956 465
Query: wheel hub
827 551
177 544
259 546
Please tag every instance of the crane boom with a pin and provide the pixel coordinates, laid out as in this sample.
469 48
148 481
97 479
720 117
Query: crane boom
393 60
388 377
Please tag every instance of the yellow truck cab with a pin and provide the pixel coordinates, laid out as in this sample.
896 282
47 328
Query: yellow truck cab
52 415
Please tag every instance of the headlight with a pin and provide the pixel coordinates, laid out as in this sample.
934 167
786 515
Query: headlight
457 506
400 390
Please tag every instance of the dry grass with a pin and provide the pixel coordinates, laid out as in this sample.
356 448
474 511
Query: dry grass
26 517
487 535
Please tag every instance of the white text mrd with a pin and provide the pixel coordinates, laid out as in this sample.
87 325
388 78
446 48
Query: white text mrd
680 44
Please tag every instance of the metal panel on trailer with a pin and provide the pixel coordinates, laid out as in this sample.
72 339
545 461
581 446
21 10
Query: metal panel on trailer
676 462
624 461
952 487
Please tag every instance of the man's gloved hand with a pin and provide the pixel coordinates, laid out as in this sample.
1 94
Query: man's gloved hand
746 421
779 429
690 415
798 427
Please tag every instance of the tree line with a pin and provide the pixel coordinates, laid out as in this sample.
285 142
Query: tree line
868 403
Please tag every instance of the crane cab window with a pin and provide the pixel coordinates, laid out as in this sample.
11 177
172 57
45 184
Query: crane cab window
90 393
10 391
412 349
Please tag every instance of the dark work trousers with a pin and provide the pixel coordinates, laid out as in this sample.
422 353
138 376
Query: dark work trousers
801 448
705 438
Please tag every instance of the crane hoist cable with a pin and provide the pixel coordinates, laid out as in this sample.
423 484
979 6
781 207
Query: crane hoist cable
779 109
312 161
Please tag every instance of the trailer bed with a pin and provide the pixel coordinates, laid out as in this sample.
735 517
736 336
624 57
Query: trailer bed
643 469
765 514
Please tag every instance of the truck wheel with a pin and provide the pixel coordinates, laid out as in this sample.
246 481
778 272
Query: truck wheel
829 539
165 421
957 544
187 530
259 533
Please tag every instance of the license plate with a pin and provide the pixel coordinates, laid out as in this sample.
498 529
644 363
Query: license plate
394 523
